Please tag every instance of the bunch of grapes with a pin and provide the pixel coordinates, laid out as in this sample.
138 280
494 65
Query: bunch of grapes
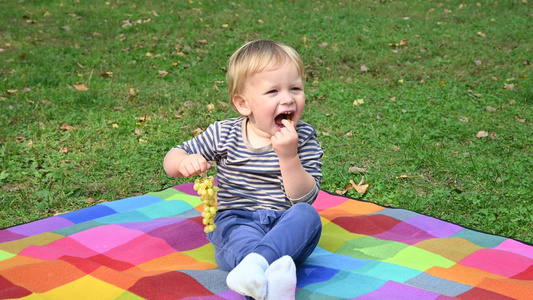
205 186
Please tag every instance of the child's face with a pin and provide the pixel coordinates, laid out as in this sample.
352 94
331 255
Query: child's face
274 94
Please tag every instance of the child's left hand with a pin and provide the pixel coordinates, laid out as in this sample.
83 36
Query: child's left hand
285 141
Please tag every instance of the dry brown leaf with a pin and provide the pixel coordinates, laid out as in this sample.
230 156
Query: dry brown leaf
395 148
139 131
465 119
482 134
508 86
522 120
12 91
63 150
162 73
403 42
357 169
107 74
121 108
197 132
65 126
81 87
364 68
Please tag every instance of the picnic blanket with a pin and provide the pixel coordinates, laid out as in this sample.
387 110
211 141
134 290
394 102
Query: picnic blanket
154 247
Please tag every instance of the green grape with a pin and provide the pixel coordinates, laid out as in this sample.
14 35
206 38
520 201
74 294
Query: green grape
206 189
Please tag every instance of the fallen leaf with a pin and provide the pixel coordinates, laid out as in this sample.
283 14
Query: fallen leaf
508 86
12 91
197 132
465 119
138 131
65 126
121 108
403 42
477 62
133 92
493 136
323 45
63 150
393 99
115 125
358 101
482 134
210 107
364 68
404 176
90 200
490 108
81 87
162 73
360 187
357 169
520 119
66 28
107 74
395 148
442 83
481 34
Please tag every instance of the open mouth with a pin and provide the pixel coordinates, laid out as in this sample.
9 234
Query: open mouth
283 116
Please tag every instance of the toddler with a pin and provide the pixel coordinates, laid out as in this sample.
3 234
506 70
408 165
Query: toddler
268 172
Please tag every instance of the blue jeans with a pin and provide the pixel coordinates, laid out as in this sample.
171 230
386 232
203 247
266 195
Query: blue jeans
270 233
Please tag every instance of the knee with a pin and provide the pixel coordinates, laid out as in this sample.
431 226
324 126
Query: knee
307 212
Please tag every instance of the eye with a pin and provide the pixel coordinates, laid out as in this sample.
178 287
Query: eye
296 88
272 91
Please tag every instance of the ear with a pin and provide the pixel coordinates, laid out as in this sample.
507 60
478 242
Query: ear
241 105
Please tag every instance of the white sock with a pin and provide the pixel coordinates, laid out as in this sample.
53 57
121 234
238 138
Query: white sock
248 277
281 276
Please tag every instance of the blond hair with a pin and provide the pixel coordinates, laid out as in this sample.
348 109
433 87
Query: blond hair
254 57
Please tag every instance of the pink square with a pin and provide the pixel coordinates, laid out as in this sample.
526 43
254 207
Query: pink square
142 249
516 247
501 262
326 200
57 249
104 238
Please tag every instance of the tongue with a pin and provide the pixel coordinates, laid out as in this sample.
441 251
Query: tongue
279 118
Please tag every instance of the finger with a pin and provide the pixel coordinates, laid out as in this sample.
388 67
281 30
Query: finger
288 124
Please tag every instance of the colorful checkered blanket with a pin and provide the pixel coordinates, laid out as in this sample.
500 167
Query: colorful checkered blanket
154 247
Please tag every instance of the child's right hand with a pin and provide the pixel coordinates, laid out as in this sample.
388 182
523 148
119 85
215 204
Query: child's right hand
193 165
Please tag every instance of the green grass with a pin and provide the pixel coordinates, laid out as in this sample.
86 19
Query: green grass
465 68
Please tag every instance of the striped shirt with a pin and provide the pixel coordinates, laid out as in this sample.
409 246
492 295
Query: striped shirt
250 178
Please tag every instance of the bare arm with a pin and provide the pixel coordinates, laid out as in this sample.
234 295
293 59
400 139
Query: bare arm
296 180
178 163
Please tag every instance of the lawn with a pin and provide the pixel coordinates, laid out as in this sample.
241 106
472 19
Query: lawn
429 101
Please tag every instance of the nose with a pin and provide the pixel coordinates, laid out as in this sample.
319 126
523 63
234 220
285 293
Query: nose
287 98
